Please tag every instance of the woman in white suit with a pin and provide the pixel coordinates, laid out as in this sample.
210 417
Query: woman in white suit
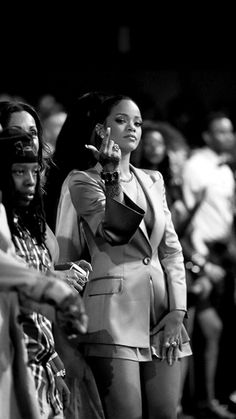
136 296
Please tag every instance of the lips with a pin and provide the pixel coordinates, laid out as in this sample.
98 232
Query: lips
28 195
131 137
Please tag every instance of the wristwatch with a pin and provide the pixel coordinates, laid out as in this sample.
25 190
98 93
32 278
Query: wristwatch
110 177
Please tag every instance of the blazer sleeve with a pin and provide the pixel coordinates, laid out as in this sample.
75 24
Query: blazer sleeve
171 257
115 222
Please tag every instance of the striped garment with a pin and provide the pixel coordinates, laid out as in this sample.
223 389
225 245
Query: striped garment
39 340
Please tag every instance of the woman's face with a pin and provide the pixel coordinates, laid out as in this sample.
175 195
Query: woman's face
24 177
153 147
125 122
221 135
25 120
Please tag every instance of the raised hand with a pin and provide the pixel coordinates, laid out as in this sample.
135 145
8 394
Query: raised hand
109 154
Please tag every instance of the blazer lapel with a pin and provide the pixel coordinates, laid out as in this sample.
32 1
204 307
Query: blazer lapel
153 190
142 225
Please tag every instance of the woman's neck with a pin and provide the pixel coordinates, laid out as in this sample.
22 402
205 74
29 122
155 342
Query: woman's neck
124 166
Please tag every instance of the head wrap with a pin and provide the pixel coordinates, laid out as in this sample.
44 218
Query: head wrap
17 146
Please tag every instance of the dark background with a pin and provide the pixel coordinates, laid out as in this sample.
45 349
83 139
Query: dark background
177 62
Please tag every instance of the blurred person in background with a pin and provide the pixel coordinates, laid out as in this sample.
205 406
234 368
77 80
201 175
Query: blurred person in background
164 148
48 105
209 183
51 127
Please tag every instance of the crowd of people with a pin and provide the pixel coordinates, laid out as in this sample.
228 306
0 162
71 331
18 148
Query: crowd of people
117 256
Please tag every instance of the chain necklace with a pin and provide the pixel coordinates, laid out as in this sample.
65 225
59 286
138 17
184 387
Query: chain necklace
129 180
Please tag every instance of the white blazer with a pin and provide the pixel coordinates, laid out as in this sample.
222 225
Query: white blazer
128 265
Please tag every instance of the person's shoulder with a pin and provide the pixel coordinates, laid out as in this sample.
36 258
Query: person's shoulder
153 174
198 158
73 173
88 175
197 153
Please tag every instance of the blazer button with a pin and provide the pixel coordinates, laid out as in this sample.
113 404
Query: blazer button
146 260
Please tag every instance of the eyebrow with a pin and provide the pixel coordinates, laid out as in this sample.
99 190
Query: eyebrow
125 114
20 126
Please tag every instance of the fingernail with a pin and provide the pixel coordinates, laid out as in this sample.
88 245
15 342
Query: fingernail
86 145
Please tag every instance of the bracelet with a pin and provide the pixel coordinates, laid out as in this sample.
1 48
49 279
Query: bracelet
110 177
113 190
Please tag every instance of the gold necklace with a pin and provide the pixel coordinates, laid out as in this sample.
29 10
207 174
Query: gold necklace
129 180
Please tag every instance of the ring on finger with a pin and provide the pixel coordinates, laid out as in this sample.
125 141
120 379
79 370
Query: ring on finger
116 147
167 344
